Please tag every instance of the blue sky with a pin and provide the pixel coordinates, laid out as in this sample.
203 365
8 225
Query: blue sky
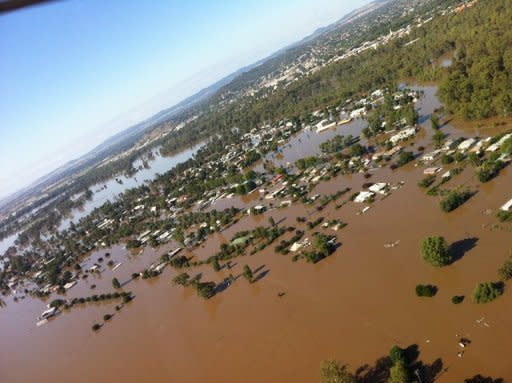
72 73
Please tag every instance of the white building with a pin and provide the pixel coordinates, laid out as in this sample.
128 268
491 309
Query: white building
324 125
507 206
466 144
402 135
379 188
364 196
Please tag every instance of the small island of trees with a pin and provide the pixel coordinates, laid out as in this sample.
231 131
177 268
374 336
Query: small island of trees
487 292
435 251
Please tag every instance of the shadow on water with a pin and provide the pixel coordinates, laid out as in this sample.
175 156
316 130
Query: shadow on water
483 379
261 275
424 118
446 123
379 372
223 285
459 248
418 371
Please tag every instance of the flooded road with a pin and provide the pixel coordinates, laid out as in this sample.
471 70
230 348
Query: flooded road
353 306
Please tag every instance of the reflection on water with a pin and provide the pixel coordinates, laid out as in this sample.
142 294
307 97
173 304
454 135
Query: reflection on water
7 242
306 143
113 188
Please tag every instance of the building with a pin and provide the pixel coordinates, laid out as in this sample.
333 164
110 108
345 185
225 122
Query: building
431 171
466 144
507 206
402 135
429 157
325 125
364 196
379 188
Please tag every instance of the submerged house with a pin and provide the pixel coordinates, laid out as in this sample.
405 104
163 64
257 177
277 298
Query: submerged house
364 196
507 206
380 188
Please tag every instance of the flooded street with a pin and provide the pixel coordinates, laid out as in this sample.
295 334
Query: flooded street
352 306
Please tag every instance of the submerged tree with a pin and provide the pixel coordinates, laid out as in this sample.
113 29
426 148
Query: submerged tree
115 283
333 372
247 273
435 251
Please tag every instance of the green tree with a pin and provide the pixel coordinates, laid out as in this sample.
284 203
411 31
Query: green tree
399 373
506 147
435 251
181 279
396 354
205 289
453 200
247 273
333 372
505 271
486 292
438 138
179 236
434 120
216 264
115 283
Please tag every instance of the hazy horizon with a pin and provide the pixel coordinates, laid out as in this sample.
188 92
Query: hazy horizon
105 67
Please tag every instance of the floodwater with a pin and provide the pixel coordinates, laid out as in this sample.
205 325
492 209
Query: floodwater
353 306
7 242
109 190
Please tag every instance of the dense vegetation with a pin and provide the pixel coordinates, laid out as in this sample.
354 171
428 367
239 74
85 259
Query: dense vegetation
505 271
426 290
487 291
479 82
435 251
453 200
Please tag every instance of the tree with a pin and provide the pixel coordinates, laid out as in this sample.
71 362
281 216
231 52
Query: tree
405 157
426 290
322 245
357 150
486 292
133 244
57 303
453 200
333 372
179 236
435 251
179 262
115 283
271 221
434 120
396 354
398 373
438 138
205 289
216 264
247 273
506 147
181 279
505 271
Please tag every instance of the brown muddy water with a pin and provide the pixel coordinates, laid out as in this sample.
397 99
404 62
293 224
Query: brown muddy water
353 306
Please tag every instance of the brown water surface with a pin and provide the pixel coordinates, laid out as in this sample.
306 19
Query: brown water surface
354 305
